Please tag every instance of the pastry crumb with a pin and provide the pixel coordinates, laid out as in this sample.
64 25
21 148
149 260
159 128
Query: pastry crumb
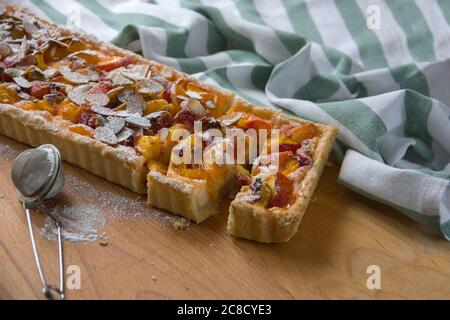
180 223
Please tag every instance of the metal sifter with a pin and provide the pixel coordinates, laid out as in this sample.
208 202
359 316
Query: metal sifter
37 175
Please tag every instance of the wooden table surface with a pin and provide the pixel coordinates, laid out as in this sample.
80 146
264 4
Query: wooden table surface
341 234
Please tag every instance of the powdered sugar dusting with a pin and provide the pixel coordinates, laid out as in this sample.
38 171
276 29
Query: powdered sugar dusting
79 224
7 152
86 222
119 206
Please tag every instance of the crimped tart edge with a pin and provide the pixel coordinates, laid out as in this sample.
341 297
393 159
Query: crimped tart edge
34 128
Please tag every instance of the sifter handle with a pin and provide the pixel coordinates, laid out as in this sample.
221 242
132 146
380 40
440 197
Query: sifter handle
50 292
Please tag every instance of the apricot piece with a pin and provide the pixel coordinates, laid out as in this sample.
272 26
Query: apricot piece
155 106
303 132
83 130
150 147
69 110
7 95
26 105
114 63
44 105
153 165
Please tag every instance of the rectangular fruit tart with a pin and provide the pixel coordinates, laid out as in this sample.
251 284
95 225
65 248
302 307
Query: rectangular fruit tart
156 131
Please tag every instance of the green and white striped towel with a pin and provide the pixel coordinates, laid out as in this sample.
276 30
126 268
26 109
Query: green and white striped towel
378 70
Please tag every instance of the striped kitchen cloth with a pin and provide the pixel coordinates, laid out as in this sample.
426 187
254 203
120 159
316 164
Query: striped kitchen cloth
378 70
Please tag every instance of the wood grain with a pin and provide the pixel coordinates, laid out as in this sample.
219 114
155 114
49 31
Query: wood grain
146 258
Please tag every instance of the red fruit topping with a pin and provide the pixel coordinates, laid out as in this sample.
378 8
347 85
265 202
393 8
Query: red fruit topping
258 124
58 79
289 147
131 141
86 117
39 89
113 64
102 86
242 179
186 117
159 120
303 159
304 155
167 95
283 191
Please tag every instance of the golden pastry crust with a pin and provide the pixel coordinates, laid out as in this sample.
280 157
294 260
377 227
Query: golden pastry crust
253 222
121 166
186 197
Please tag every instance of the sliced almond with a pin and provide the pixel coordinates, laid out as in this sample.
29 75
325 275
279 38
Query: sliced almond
135 102
98 99
50 73
116 124
124 134
78 94
250 197
122 114
195 106
228 121
23 48
87 52
22 82
105 135
166 72
30 27
193 94
103 111
150 87
73 77
23 95
118 79
138 121
136 72
112 94
13 72
92 75
210 105
182 97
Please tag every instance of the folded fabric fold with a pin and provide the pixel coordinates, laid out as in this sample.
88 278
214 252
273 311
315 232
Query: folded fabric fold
423 197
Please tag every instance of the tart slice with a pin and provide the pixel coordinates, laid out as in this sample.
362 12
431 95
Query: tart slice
277 189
